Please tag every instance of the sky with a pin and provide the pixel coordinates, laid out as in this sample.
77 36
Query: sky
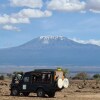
24 20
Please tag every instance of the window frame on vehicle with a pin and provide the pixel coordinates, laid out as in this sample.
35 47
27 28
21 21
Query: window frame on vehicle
41 80
28 80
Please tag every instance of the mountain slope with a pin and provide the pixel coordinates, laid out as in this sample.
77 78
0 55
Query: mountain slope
51 50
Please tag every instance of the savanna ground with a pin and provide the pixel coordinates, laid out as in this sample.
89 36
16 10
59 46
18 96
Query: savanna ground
76 91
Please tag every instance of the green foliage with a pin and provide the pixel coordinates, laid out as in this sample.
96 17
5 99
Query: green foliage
65 72
81 75
96 76
2 77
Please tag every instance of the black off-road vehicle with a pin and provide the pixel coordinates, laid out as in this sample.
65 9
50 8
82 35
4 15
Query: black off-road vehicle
40 81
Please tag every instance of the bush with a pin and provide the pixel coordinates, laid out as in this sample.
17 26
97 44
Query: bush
66 72
81 76
97 78
1 77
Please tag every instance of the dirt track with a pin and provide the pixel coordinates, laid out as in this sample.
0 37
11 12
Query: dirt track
72 93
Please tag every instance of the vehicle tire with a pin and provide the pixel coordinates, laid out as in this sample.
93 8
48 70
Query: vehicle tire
40 92
26 93
65 83
51 94
14 92
60 83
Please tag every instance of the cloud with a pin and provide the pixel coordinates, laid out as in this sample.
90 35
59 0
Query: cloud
32 13
91 41
66 5
75 5
10 28
5 19
23 16
93 5
94 11
27 3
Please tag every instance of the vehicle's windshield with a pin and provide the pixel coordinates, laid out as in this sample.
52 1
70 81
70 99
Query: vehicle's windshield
16 78
19 76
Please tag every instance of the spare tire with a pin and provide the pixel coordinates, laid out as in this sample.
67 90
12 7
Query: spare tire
65 83
60 83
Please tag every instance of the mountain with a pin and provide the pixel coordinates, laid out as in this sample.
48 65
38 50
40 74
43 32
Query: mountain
50 51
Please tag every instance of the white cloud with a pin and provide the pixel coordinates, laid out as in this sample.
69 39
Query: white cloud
93 5
91 41
23 16
10 28
5 19
32 13
27 3
66 5
75 5
94 11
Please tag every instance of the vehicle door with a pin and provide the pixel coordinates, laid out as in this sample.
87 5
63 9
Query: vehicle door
26 83
36 81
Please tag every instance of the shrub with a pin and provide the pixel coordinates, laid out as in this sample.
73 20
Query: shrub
81 76
97 78
1 77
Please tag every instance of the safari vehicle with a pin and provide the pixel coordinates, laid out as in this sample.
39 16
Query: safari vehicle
40 81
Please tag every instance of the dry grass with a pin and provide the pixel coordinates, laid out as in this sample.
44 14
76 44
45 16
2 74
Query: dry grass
72 93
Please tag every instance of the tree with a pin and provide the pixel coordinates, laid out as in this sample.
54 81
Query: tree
97 78
2 77
82 76
65 72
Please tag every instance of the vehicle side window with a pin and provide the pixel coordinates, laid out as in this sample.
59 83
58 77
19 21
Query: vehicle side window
26 79
46 77
43 78
36 78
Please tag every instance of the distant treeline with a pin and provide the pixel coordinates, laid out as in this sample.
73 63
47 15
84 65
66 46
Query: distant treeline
79 75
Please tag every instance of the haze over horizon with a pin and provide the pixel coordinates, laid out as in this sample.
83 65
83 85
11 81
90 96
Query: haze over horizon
24 20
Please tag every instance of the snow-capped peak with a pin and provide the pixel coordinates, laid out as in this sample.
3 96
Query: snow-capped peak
46 39
51 37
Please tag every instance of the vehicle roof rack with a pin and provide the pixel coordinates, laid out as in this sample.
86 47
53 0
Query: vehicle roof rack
42 70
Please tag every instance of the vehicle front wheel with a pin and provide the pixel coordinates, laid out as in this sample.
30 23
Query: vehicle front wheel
26 93
40 93
51 94
15 92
